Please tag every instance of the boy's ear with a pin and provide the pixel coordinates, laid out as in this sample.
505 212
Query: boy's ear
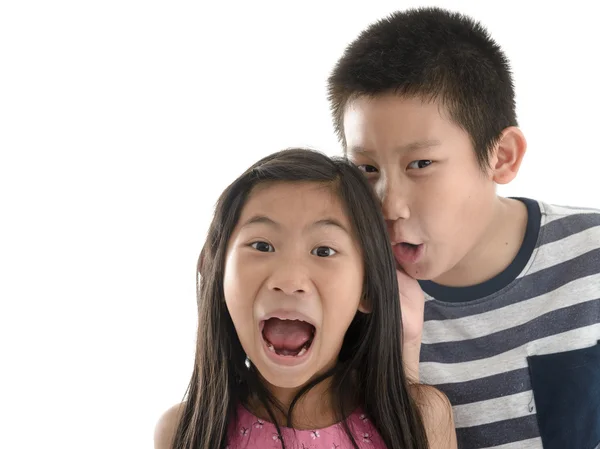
508 155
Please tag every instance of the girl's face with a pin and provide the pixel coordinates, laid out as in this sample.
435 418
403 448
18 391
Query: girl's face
293 280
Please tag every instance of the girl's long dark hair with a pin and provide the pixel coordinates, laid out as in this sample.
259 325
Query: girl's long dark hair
369 373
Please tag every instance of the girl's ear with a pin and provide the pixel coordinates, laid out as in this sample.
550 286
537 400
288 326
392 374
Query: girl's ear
364 305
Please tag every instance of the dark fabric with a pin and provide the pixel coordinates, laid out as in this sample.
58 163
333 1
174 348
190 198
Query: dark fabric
566 387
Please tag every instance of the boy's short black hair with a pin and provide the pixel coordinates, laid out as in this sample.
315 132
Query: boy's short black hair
434 54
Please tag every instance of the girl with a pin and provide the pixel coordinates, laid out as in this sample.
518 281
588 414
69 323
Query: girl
299 337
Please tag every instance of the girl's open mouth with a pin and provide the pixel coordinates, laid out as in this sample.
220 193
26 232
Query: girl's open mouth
287 338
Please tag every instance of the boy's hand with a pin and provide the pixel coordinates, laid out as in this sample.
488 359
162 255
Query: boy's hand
412 303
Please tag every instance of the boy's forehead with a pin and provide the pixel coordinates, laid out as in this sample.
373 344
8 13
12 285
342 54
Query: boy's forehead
373 121
372 118
392 108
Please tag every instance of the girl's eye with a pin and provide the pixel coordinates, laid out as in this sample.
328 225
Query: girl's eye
420 164
263 247
368 168
323 251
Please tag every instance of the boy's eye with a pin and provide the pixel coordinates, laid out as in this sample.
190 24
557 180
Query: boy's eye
420 163
263 247
323 251
368 168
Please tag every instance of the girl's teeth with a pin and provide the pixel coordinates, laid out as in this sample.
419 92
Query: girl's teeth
302 351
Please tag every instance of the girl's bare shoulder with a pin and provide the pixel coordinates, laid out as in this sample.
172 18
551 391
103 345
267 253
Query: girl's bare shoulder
438 419
166 426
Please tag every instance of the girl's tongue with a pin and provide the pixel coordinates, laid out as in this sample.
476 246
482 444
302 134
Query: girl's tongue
287 337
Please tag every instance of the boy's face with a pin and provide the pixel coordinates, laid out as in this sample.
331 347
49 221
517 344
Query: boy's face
436 200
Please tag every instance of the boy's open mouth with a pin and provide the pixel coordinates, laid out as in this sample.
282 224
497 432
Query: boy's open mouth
288 338
409 246
408 252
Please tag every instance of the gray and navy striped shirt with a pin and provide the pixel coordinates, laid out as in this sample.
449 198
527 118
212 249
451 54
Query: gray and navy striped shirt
519 355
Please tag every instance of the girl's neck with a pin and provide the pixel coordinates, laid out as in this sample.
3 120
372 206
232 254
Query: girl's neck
314 410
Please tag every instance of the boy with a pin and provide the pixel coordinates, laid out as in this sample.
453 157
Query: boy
423 102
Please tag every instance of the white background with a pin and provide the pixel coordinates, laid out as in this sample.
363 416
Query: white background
120 123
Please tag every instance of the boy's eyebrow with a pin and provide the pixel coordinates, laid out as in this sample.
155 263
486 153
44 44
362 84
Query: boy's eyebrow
262 219
416 145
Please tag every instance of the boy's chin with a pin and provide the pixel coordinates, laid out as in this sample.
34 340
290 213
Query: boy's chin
420 272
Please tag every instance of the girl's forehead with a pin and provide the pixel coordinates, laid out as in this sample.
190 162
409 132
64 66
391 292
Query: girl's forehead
294 204
281 196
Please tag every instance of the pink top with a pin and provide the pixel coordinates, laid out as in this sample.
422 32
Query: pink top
249 432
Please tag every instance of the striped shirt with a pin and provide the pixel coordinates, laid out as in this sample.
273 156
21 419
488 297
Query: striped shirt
519 355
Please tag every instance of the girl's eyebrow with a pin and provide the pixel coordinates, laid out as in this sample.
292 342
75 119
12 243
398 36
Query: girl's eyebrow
260 219
263 219
327 222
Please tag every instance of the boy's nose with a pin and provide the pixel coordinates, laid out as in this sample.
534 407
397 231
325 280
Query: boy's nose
394 203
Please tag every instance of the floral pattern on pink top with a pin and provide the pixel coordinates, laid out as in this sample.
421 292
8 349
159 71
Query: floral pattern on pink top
249 432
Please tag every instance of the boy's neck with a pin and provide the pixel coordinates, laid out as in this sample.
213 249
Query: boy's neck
495 250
